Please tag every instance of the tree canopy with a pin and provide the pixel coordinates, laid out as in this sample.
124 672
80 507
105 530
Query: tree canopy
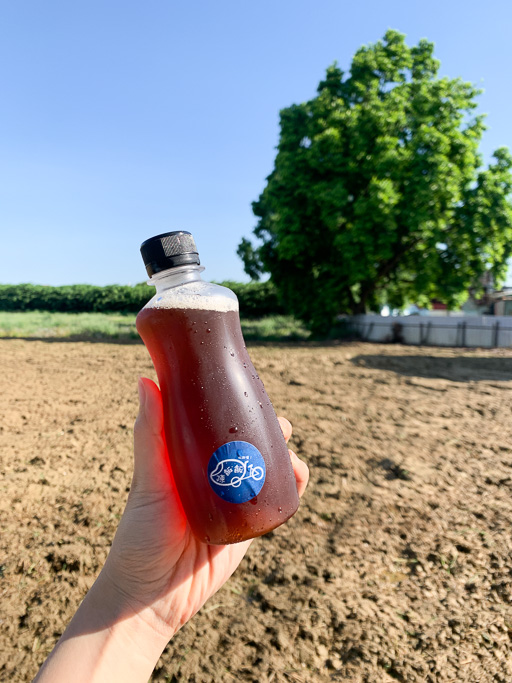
378 194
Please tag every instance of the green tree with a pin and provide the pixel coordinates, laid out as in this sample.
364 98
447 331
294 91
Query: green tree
377 193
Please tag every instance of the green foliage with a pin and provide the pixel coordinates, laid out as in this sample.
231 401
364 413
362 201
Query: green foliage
377 195
257 299
74 298
250 258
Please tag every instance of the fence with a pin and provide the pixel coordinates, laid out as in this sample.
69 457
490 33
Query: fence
470 331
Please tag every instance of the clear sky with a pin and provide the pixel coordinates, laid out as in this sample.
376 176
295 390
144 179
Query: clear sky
121 119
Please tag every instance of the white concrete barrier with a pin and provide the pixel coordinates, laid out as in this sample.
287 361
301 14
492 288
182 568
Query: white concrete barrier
468 331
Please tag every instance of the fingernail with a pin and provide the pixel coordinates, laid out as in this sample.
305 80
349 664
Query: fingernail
142 392
288 422
293 455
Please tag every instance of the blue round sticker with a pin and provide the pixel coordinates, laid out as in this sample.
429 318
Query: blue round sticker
236 471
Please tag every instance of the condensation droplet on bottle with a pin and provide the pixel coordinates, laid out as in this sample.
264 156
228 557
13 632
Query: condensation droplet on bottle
208 331
210 517
232 353
233 430
207 538
279 509
245 393
202 342
245 365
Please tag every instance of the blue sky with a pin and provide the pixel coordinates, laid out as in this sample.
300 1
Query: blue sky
123 119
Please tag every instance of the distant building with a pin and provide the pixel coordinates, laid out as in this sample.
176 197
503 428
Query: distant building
502 304
488 302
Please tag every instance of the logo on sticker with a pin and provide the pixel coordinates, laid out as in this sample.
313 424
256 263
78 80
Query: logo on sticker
236 471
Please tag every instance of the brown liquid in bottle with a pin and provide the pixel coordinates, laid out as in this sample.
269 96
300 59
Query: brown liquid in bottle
213 396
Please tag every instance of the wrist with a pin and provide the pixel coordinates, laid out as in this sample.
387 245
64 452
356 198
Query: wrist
134 624
109 639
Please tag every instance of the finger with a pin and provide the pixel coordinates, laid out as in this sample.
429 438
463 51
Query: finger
151 469
286 426
301 472
150 405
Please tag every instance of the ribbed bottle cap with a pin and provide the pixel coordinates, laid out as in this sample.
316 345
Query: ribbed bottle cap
168 250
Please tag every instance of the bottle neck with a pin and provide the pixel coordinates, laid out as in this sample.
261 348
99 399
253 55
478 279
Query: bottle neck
173 277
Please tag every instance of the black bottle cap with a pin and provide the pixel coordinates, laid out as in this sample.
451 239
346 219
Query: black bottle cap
168 250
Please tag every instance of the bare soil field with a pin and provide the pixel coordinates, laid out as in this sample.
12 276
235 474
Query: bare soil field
397 567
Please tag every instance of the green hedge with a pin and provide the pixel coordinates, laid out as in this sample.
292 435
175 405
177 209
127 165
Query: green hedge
257 299
73 298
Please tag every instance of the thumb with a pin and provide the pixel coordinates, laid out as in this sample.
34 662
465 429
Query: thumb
151 469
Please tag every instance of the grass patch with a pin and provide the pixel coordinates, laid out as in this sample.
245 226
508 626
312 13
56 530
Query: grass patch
44 324
274 328
112 326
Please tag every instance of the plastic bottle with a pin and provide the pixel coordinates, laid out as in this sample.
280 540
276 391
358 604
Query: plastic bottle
228 455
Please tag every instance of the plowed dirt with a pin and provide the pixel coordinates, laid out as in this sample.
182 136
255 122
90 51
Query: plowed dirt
398 565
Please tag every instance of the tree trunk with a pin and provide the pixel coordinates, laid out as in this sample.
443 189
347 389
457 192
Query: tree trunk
367 289
356 307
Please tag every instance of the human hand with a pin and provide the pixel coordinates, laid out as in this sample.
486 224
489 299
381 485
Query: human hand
157 574
156 566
